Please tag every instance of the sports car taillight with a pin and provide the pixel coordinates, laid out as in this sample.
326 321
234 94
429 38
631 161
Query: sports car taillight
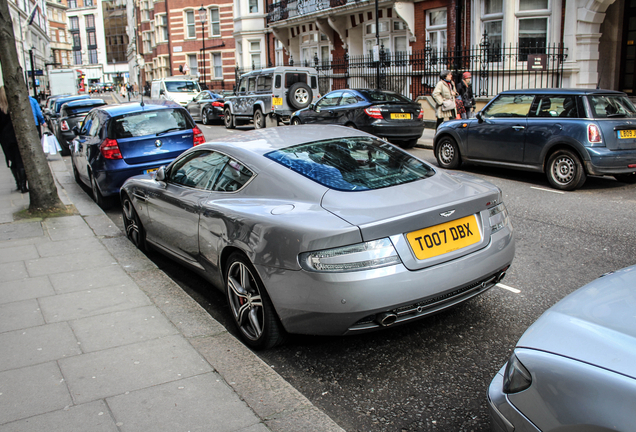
593 134
373 112
361 256
64 126
197 136
217 104
420 116
110 149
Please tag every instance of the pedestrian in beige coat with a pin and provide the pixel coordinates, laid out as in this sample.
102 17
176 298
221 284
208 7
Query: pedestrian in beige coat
444 96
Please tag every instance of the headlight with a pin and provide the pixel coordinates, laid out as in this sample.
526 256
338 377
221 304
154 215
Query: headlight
516 377
498 217
361 256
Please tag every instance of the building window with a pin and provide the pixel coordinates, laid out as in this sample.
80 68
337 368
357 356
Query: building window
90 21
145 36
191 30
92 56
239 51
88 3
193 64
217 65
392 37
255 54
77 57
92 40
253 6
77 42
436 30
279 52
73 23
215 22
161 28
72 4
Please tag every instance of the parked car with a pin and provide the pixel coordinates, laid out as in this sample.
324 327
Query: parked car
206 106
54 114
107 87
322 230
115 142
48 107
180 89
567 134
272 93
71 114
382 113
575 368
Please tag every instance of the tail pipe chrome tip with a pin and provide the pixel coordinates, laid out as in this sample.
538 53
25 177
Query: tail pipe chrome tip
501 275
386 319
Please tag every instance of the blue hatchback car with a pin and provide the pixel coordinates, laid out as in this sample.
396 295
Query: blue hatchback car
567 134
115 142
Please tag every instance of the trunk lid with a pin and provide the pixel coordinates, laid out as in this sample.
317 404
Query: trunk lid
618 133
149 148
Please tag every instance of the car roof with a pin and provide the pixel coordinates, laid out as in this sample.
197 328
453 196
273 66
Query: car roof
84 102
148 105
280 69
563 91
261 141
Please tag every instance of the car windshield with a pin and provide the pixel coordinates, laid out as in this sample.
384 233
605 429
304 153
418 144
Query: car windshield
182 86
379 96
147 123
611 106
82 109
352 164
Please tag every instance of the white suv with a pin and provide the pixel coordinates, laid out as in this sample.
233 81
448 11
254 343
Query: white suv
269 96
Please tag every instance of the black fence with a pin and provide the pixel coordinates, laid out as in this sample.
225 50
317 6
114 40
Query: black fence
494 69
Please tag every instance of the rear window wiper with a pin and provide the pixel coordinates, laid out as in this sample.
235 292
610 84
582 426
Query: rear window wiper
168 130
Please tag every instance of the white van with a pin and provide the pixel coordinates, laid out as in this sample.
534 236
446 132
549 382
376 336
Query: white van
180 89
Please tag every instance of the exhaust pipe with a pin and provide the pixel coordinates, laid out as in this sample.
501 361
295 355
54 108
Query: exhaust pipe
386 319
500 277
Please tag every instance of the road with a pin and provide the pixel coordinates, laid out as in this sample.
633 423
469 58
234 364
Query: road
433 374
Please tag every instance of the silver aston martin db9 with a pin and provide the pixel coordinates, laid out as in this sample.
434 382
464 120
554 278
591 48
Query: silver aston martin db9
322 230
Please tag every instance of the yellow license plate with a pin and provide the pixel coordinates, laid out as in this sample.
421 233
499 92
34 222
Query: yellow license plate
148 171
277 101
623 134
444 238
400 116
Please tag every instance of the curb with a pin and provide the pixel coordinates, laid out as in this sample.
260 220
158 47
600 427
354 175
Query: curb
280 406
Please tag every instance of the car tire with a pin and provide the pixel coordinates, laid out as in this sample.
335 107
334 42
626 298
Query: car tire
204 116
565 170
100 200
300 95
447 153
296 121
626 178
132 225
259 119
250 306
228 119
76 176
351 125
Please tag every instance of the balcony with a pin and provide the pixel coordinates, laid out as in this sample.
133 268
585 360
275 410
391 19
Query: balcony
286 9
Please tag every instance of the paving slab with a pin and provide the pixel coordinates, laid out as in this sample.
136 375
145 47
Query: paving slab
132 367
30 391
18 253
82 280
70 262
201 403
19 315
97 301
13 271
37 345
93 417
68 227
20 230
25 289
68 247
121 328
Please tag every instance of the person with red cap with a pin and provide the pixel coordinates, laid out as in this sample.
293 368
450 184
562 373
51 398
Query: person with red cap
465 90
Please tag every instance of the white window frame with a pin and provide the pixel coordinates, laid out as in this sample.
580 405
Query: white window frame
212 22
437 29
253 6
189 28
253 52
387 37
213 66
313 43
161 28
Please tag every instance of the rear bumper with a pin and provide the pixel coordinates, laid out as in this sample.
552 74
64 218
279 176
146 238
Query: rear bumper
397 130
111 179
604 161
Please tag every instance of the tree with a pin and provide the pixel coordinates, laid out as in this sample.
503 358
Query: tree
42 190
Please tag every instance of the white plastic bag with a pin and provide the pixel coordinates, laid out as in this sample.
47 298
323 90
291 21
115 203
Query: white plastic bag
50 144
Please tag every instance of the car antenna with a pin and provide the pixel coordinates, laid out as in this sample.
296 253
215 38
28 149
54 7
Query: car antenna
142 99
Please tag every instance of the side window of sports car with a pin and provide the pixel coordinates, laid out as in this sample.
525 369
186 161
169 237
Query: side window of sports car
233 177
198 169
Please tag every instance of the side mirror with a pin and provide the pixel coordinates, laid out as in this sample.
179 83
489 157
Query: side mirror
162 91
161 174
311 106
76 130
479 117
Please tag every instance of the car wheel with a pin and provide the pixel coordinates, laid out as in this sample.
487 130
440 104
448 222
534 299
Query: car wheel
259 119
76 176
351 125
565 171
228 120
103 202
132 225
447 153
204 116
300 95
250 305
296 121
626 178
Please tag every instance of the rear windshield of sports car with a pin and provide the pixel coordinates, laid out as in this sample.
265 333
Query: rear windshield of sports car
352 164
611 106
148 123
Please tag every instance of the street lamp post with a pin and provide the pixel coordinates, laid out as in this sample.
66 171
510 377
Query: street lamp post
35 90
202 18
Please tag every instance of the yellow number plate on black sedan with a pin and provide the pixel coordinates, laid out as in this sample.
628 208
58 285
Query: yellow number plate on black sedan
630 133
400 116
444 238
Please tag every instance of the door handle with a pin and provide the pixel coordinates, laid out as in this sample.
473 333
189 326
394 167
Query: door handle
518 127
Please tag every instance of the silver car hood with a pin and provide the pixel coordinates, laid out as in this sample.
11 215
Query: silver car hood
595 324
411 206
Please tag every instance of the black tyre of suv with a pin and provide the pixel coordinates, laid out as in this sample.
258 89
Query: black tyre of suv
300 95
228 120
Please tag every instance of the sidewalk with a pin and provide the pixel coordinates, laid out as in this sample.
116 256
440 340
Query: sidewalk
94 337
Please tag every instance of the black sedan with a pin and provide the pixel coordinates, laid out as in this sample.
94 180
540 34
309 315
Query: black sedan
206 106
71 114
382 113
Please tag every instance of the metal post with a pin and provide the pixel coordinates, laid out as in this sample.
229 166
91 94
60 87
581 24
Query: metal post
202 17
377 45
35 90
